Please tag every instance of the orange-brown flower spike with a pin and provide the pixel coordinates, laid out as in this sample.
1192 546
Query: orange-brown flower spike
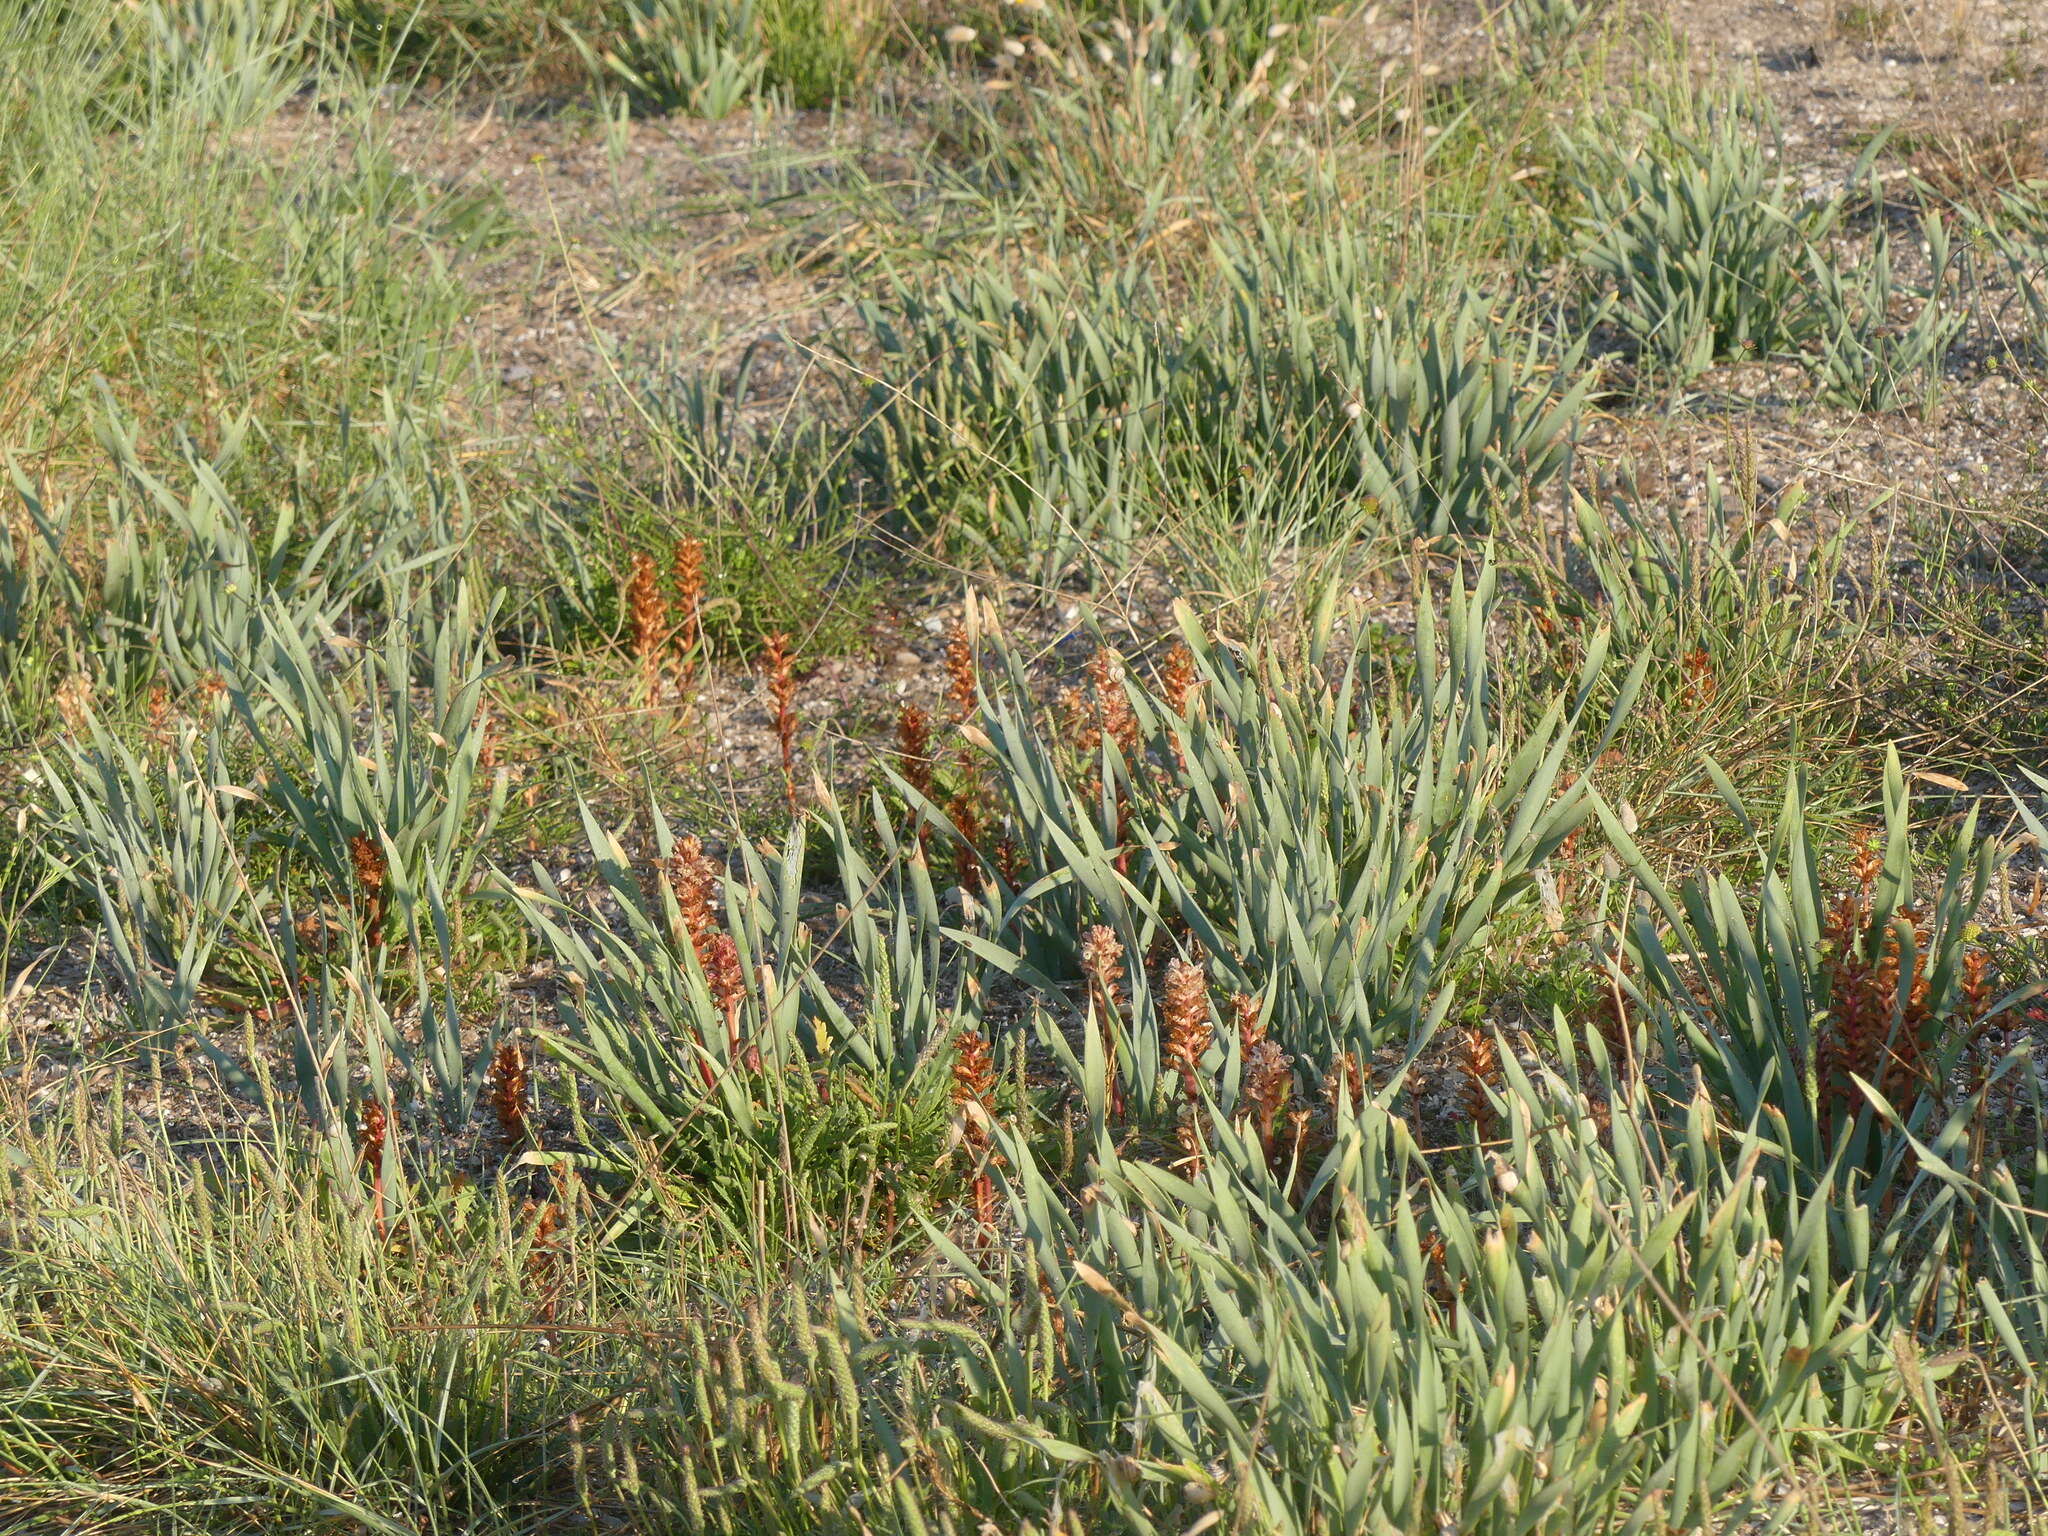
914 747
782 688
510 1087
1185 1013
1976 985
1244 1019
371 1136
1700 686
1178 679
1479 1064
1179 682
1867 866
960 685
1268 1084
1102 962
693 875
1118 721
687 562
966 819
727 980
974 1084
366 854
647 616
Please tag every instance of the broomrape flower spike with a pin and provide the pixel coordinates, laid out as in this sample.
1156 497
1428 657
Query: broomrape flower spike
647 613
366 854
1268 1084
371 1136
1479 1065
1188 1032
693 877
727 980
914 747
782 689
1102 962
510 1089
960 682
974 1082
688 567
